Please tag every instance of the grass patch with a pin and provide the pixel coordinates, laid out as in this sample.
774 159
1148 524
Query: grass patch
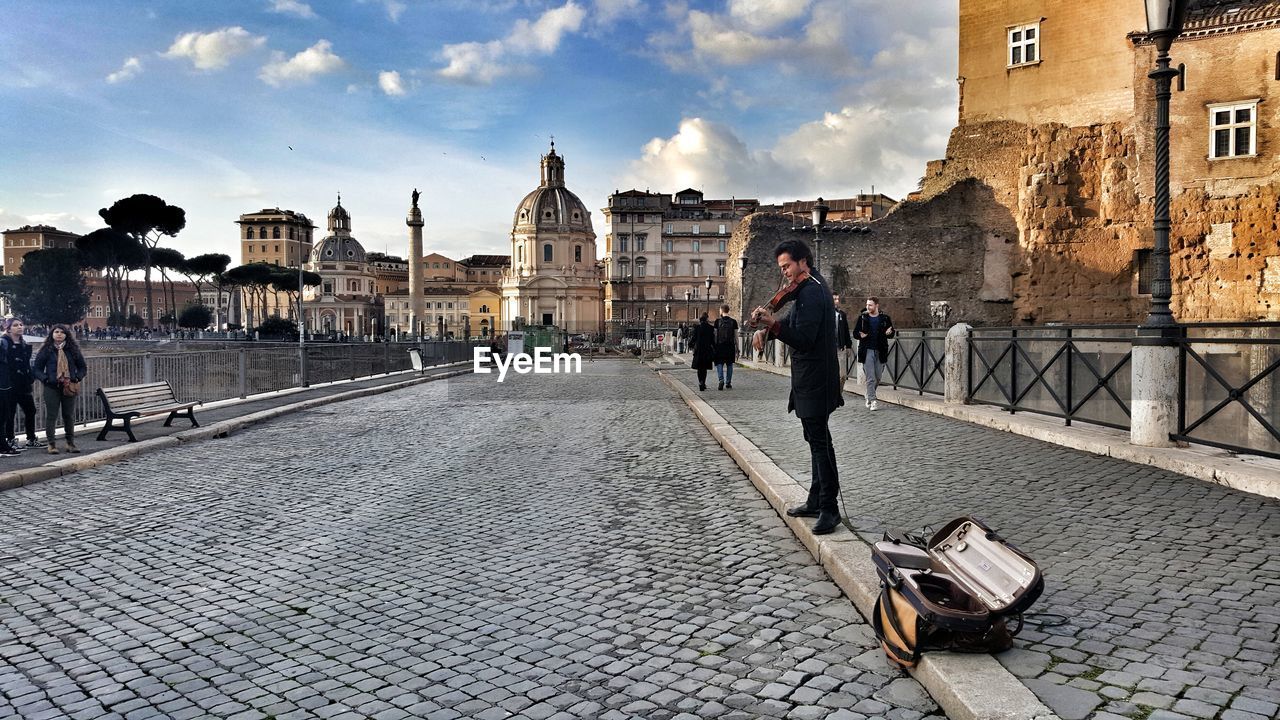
1092 673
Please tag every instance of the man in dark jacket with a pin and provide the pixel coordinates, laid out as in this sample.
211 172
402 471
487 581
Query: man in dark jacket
810 331
873 331
844 341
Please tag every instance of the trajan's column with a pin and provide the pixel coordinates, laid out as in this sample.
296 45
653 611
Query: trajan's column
417 306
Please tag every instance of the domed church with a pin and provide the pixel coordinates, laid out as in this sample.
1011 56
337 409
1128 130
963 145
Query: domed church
346 303
553 278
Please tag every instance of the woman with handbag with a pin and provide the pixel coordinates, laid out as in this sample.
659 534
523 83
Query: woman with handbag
60 367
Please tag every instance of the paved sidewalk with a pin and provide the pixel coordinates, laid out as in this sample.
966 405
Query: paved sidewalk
1168 587
153 427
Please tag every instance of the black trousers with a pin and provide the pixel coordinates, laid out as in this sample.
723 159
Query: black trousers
702 377
12 401
824 489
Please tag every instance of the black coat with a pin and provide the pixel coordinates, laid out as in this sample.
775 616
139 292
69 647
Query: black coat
810 331
704 345
877 340
45 367
727 352
843 338
15 365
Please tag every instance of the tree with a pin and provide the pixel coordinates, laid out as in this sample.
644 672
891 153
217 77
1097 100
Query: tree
146 218
208 268
49 289
253 279
168 260
195 317
136 322
285 280
115 254
276 326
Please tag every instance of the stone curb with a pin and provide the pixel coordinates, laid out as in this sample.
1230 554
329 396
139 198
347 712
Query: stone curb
66 466
967 687
1253 474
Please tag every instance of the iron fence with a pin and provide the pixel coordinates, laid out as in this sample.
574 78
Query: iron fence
916 360
1229 386
1081 372
212 375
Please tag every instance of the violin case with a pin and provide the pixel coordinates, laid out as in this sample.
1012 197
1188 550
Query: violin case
964 589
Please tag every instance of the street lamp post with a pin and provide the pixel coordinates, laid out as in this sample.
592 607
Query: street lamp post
303 380
1164 23
708 284
819 219
1154 363
688 306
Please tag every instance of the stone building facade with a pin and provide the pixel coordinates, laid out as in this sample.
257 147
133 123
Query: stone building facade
276 237
347 301
553 279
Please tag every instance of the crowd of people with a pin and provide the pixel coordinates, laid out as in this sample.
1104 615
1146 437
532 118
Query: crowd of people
59 367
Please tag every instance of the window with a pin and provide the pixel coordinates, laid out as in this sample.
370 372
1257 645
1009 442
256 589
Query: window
546 253
1231 130
695 267
248 233
720 268
670 245
622 243
275 233
671 227
669 268
724 246
697 244
640 243
450 305
1024 44
697 228
577 253
641 264
328 288
262 232
446 266
722 228
624 268
1144 259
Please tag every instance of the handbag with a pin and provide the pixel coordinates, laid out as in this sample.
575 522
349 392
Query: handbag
70 388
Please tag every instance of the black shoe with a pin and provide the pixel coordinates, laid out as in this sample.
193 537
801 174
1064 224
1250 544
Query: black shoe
7 449
728 386
36 443
702 387
802 511
827 523
721 385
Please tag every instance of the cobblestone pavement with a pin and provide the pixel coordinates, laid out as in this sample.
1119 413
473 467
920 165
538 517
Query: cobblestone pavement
551 547
1169 586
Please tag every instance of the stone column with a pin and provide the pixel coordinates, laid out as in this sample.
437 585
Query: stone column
955 364
1155 393
417 305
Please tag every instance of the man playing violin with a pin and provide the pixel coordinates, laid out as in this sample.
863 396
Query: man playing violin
810 331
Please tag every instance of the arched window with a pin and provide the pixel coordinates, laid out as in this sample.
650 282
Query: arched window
641 264
262 232
546 253
275 232
624 268
248 233
577 253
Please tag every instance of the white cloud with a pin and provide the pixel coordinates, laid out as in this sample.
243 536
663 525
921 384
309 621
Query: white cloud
609 10
394 8
766 14
720 41
61 220
318 59
482 63
389 81
130 69
214 50
841 154
292 7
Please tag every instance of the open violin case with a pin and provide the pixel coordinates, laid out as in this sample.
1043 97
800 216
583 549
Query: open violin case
963 589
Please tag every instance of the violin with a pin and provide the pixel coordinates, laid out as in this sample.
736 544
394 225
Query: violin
784 295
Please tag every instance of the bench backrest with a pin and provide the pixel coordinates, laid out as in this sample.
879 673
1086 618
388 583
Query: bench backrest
125 397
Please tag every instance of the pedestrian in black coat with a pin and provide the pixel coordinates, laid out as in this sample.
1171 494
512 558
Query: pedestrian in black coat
15 353
726 347
703 343
810 331
873 330
58 363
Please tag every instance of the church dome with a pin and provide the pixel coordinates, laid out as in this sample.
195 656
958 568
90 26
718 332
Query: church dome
339 245
552 205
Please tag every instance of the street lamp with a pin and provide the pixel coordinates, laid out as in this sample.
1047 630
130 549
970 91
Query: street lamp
303 380
1164 23
708 284
688 306
819 219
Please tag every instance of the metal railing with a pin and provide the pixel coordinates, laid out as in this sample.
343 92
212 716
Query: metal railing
916 360
1081 372
1229 386
212 375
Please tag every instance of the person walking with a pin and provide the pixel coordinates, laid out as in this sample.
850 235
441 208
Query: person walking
6 406
844 341
873 331
726 350
15 354
60 366
703 344
810 331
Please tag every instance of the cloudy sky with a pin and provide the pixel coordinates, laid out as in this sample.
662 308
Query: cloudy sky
232 106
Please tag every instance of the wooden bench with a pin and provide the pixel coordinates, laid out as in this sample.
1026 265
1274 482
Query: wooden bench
130 401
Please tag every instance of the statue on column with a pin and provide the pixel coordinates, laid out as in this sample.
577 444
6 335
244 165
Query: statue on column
416 195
